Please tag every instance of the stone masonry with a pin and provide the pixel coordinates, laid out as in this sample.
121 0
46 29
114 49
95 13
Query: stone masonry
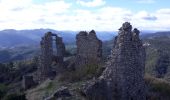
47 55
60 46
89 48
58 57
123 78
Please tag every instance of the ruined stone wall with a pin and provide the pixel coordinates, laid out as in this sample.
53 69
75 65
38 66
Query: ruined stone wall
47 56
44 69
60 46
89 48
126 69
95 47
58 57
124 75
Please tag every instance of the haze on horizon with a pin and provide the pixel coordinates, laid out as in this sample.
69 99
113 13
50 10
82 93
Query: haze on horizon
75 15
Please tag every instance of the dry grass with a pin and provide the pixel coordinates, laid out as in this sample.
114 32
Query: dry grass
158 85
43 90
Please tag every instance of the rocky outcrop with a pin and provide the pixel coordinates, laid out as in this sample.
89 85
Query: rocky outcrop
124 75
89 49
48 56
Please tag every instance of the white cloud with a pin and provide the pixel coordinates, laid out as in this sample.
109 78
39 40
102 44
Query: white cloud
157 20
146 1
144 15
59 15
21 14
164 11
93 3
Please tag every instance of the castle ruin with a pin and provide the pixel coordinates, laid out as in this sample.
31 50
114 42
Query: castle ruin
123 78
48 56
89 49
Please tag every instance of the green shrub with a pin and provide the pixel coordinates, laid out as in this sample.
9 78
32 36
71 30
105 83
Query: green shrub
49 86
162 87
158 85
15 96
83 73
3 90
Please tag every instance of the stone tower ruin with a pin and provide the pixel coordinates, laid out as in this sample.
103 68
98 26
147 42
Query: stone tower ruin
89 48
123 78
47 55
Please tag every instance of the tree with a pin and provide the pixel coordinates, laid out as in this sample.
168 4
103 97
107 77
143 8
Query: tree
162 64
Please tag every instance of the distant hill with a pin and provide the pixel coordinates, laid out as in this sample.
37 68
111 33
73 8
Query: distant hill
11 38
156 34
158 54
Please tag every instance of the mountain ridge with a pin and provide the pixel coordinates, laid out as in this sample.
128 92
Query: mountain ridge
11 37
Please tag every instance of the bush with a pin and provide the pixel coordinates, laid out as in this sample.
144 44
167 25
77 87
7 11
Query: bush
49 86
83 73
3 90
15 97
158 85
162 87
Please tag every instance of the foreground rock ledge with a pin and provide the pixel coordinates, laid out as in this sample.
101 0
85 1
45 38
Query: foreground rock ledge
123 78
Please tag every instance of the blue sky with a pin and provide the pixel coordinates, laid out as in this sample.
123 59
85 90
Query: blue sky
76 15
